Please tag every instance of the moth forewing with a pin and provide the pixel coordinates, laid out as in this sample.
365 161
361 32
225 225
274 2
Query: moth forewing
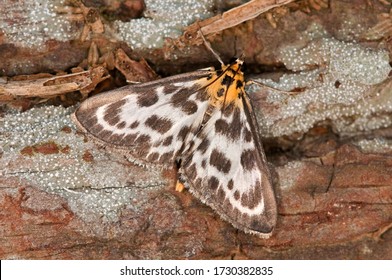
226 169
144 119
270 214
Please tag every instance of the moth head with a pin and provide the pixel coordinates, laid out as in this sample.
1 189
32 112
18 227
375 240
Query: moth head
226 86
237 61
238 64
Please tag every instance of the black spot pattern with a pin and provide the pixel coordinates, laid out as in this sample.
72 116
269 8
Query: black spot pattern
189 107
112 112
202 95
143 139
233 129
169 88
239 84
168 140
248 159
227 80
247 135
205 143
220 92
222 163
221 126
183 133
153 157
147 99
134 124
121 125
221 194
156 123
166 157
230 184
179 98
213 183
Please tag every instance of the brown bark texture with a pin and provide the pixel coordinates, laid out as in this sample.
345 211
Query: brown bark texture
64 197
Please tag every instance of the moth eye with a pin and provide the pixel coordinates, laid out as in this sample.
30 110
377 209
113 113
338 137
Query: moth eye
244 67
233 60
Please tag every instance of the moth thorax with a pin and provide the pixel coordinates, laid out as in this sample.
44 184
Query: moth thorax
228 85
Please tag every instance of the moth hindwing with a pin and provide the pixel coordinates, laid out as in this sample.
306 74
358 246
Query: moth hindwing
203 119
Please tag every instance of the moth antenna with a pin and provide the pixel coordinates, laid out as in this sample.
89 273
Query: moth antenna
208 46
272 88
242 55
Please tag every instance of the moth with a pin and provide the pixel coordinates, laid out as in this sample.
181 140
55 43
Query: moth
204 122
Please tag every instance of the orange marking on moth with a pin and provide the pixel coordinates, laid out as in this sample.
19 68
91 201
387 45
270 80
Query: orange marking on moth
223 88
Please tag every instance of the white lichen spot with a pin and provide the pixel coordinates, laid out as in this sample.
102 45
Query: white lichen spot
162 19
336 78
94 191
37 21
377 145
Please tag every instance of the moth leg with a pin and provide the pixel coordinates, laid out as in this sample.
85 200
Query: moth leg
179 186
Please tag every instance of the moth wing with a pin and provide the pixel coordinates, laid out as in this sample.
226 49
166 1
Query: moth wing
151 120
228 171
